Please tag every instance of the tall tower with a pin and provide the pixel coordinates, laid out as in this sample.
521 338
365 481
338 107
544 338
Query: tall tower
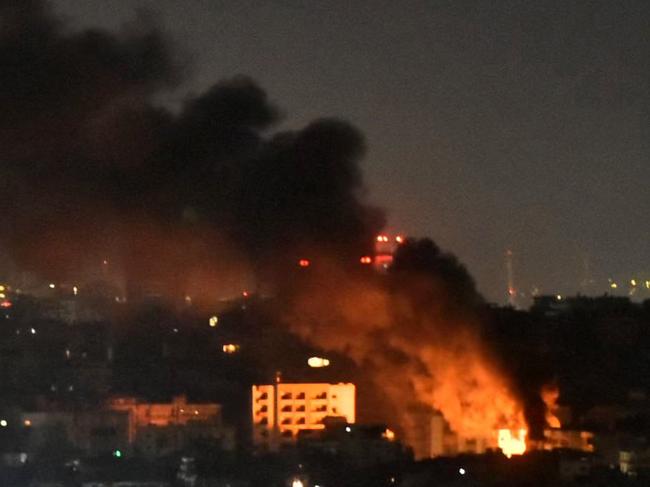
512 291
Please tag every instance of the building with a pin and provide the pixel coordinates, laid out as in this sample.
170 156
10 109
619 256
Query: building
95 433
385 248
158 429
282 410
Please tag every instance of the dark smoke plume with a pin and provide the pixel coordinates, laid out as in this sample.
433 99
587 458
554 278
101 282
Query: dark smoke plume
98 181
94 171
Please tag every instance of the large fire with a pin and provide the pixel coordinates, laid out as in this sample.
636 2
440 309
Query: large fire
420 361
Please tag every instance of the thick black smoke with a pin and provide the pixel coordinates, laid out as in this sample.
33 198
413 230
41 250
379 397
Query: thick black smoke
94 177
92 170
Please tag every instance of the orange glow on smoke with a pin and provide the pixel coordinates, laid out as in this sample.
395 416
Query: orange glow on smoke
550 395
304 263
512 444
449 369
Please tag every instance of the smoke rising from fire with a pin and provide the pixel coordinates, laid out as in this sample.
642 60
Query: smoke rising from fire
93 170
97 181
417 331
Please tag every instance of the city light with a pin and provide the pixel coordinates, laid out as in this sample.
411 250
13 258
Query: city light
213 321
27 423
3 423
230 348
52 285
2 288
366 259
317 362
75 290
304 263
399 239
633 282
117 453
297 483
613 285
462 471
5 304
389 434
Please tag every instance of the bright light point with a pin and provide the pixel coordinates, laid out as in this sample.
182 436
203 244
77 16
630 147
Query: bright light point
303 263
213 321
32 331
245 294
380 238
230 348
559 297
75 290
613 285
6 304
366 259
318 362
633 282
2 288
399 239
297 483
117 454
52 285
3 423
27 422
389 434
461 471
348 429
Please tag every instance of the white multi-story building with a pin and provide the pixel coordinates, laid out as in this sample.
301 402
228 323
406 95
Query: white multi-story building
281 410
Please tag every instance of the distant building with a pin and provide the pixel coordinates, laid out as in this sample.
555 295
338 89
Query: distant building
128 426
385 248
281 411
158 429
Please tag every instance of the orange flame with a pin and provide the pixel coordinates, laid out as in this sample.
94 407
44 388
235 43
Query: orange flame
550 395
512 444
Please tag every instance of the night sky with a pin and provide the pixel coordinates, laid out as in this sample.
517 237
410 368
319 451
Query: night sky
490 125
